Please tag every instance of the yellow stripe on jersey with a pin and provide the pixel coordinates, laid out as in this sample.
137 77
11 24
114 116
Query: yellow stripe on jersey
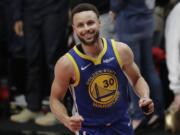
97 60
77 74
116 53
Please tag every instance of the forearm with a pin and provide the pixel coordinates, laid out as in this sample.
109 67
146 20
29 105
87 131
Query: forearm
59 110
141 88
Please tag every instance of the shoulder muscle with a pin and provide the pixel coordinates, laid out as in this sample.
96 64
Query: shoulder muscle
125 53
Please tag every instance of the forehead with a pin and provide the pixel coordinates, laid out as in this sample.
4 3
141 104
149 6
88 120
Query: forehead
84 16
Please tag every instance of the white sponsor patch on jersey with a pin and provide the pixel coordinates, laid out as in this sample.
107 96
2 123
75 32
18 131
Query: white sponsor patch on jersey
108 60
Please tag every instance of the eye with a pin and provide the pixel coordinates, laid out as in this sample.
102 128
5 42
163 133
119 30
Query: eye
90 22
80 25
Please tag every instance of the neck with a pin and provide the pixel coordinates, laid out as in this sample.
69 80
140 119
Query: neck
94 49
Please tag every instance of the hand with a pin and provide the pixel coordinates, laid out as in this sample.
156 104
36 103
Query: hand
147 105
18 28
74 123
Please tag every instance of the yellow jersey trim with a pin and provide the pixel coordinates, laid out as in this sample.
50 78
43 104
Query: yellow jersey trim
97 60
76 69
116 53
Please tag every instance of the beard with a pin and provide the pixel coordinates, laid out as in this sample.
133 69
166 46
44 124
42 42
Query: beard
89 42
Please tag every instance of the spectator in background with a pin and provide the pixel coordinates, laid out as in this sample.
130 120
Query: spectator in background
15 59
43 24
3 42
172 38
134 25
11 51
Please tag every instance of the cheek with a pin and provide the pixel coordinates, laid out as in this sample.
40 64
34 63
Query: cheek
81 32
77 31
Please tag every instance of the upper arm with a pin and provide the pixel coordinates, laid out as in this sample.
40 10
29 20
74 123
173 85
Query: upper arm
129 67
63 74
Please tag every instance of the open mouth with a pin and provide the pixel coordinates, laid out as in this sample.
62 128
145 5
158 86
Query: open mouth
89 35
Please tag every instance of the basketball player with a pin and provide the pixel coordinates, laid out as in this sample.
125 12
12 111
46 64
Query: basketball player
96 71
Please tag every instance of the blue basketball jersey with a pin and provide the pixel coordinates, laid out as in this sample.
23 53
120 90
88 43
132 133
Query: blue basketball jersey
101 88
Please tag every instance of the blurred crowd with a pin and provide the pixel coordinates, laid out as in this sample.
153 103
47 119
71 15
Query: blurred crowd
35 33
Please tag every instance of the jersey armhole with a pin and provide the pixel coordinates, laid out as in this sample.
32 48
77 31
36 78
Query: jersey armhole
77 74
116 53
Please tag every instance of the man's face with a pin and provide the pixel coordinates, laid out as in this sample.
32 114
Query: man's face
86 25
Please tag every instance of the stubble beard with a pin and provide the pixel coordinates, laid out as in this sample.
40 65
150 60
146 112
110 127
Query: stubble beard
89 43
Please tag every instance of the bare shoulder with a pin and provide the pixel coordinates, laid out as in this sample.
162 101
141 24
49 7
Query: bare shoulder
125 52
64 61
123 48
64 67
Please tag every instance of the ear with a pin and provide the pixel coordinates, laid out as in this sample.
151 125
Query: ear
99 22
73 27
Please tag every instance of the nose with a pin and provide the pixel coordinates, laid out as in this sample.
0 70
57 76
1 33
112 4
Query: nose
86 27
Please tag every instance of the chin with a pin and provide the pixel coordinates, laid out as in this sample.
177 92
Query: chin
89 41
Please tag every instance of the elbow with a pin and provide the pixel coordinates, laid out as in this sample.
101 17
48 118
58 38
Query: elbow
51 104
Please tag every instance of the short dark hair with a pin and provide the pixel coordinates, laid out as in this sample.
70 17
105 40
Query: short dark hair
84 7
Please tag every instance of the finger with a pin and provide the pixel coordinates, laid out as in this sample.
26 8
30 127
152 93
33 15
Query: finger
77 118
76 123
82 119
150 111
145 103
76 127
75 130
151 105
141 101
148 105
147 108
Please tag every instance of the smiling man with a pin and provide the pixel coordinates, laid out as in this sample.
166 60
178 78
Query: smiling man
96 72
